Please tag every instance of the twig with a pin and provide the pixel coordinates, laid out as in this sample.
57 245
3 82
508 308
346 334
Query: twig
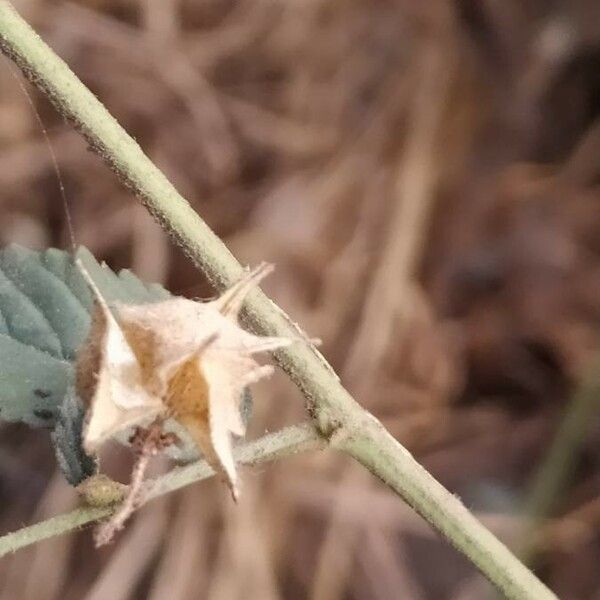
105 532
146 442
288 441
336 414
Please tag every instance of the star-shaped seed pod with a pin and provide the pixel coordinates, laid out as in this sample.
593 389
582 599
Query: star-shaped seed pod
176 359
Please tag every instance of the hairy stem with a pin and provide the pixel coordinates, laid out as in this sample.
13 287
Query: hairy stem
292 440
335 412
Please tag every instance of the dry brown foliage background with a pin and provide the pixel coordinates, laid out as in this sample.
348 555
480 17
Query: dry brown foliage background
425 177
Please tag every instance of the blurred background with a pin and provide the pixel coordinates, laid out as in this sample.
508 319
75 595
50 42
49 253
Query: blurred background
425 177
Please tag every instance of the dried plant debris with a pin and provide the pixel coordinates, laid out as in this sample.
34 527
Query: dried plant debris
180 359
146 442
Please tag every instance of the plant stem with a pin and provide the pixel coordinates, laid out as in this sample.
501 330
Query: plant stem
336 413
379 452
292 440
557 468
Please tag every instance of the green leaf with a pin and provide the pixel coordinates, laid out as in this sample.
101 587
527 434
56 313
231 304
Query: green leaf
66 437
45 309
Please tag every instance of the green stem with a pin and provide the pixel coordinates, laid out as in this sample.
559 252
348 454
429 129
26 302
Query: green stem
286 442
559 463
333 409
378 451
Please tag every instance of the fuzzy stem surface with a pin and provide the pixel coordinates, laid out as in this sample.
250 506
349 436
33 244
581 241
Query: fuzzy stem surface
283 443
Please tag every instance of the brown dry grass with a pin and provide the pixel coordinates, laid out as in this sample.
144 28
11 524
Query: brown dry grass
424 176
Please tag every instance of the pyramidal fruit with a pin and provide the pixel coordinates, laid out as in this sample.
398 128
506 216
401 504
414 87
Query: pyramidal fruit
180 359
